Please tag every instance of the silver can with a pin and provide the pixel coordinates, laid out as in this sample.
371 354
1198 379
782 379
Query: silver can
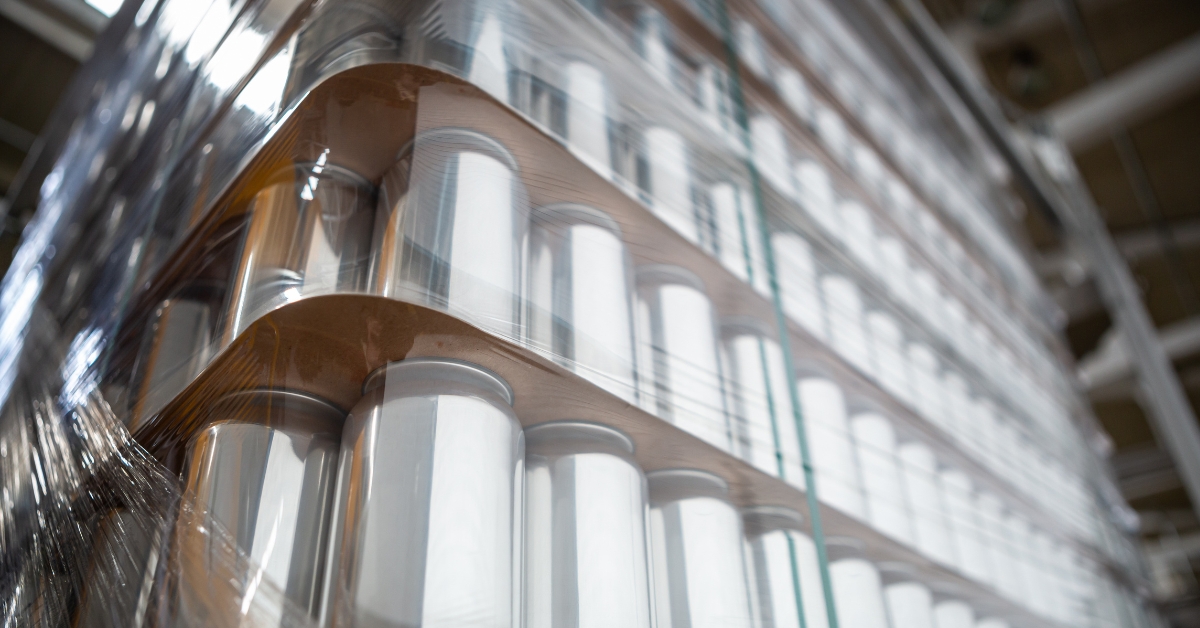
428 506
757 385
586 123
586 561
909 602
260 476
177 346
696 538
680 371
452 220
857 588
309 233
581 295
784 571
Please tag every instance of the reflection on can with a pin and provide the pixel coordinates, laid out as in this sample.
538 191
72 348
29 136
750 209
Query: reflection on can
586 560
428 507
309 233
452 219
261 477
581 295
680 376
758 389
696 538
783 564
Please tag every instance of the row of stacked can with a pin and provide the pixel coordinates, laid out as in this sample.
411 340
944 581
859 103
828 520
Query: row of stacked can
814 193
1009 375
430 505
879 183
666 355
898 485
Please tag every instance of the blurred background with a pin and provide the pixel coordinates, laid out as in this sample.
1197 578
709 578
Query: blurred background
1117 80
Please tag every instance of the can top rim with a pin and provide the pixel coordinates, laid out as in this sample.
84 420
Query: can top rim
450 369
668 485
669 274
894 572
765 519
581 213
467 140
282 394
747 326
844 547
328 171
570 429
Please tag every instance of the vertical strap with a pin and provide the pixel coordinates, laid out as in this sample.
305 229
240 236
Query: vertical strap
814 506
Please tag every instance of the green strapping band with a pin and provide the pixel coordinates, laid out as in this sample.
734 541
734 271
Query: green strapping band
814 506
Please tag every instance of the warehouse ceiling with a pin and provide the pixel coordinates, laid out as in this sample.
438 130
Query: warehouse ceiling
1143 174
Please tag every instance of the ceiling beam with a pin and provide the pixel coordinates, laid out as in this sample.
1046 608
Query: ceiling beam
1028 19
1111 362
66 39
1088 117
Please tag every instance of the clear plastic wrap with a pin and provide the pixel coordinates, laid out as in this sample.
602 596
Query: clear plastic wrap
362 313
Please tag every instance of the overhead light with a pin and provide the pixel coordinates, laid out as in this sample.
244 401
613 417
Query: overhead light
107 7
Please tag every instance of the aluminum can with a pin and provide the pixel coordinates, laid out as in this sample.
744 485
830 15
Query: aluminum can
696 538
309 233
891 364
783 564
586 121
771 153
427 512
680 372
668 181
757 385
887 510
737 237
857 587
816 195
909 602
581 295
798 282
259 476
653 33
452 219
586 559
930 528
844 313
958 497
953 613
824 407
177 346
